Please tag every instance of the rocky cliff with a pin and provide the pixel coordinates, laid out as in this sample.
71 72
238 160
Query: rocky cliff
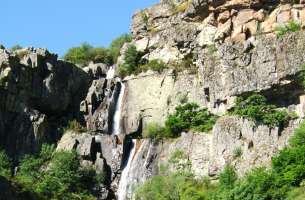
233 48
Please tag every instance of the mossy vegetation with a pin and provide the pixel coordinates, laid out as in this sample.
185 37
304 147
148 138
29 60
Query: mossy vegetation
181 7
291 26
237 152
283 181
134 64
5 164
256 108
75 126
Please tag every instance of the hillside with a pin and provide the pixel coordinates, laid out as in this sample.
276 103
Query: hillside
206 101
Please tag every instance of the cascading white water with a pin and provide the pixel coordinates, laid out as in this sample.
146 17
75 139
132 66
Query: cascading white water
122 190
116 130
110 73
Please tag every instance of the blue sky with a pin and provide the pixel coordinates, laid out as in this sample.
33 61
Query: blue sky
61 24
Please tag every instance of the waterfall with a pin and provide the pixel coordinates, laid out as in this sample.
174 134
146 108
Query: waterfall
116 129
110 73
122 190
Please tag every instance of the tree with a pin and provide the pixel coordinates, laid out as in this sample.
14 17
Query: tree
79 55
117 44
16 47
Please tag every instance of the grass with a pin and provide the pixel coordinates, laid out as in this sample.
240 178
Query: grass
75 126
237 152
211 49
181 7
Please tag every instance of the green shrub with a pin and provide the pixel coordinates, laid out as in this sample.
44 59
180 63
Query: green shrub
190 116
255 107
75 126
256 185
174 186
292 26
211 49
62 177
132 61
237 152
79 55
298 139
117 44
56 175
289 166
5 164
29 171
228 177
16 47
47 151
156 132
85 53
185 64
296 194
100 55
155 65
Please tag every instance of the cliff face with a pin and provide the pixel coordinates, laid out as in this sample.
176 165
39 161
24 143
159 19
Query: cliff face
38 92
234 51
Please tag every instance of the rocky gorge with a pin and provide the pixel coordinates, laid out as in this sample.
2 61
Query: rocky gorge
233 48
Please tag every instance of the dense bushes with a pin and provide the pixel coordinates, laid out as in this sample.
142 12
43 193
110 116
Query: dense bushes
75 126
255 107
156 132
186 117
85 53
180 184
155 65
174 186
52 175
132 61
190 116
62 179
285 180
5 164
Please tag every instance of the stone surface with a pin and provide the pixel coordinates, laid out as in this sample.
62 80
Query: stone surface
37 93
228 72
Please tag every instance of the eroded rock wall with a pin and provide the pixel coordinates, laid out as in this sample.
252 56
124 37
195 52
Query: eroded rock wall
230 71
37 93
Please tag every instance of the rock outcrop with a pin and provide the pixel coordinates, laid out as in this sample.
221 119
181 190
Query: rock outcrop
232 50
236 51
210 152
37 94
230 71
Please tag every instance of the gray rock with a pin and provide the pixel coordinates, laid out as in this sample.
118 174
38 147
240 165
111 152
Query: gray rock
34 88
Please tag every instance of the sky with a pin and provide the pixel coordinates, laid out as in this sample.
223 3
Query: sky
61 24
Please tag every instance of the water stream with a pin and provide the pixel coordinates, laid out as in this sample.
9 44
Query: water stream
110 73
122 190
116 130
